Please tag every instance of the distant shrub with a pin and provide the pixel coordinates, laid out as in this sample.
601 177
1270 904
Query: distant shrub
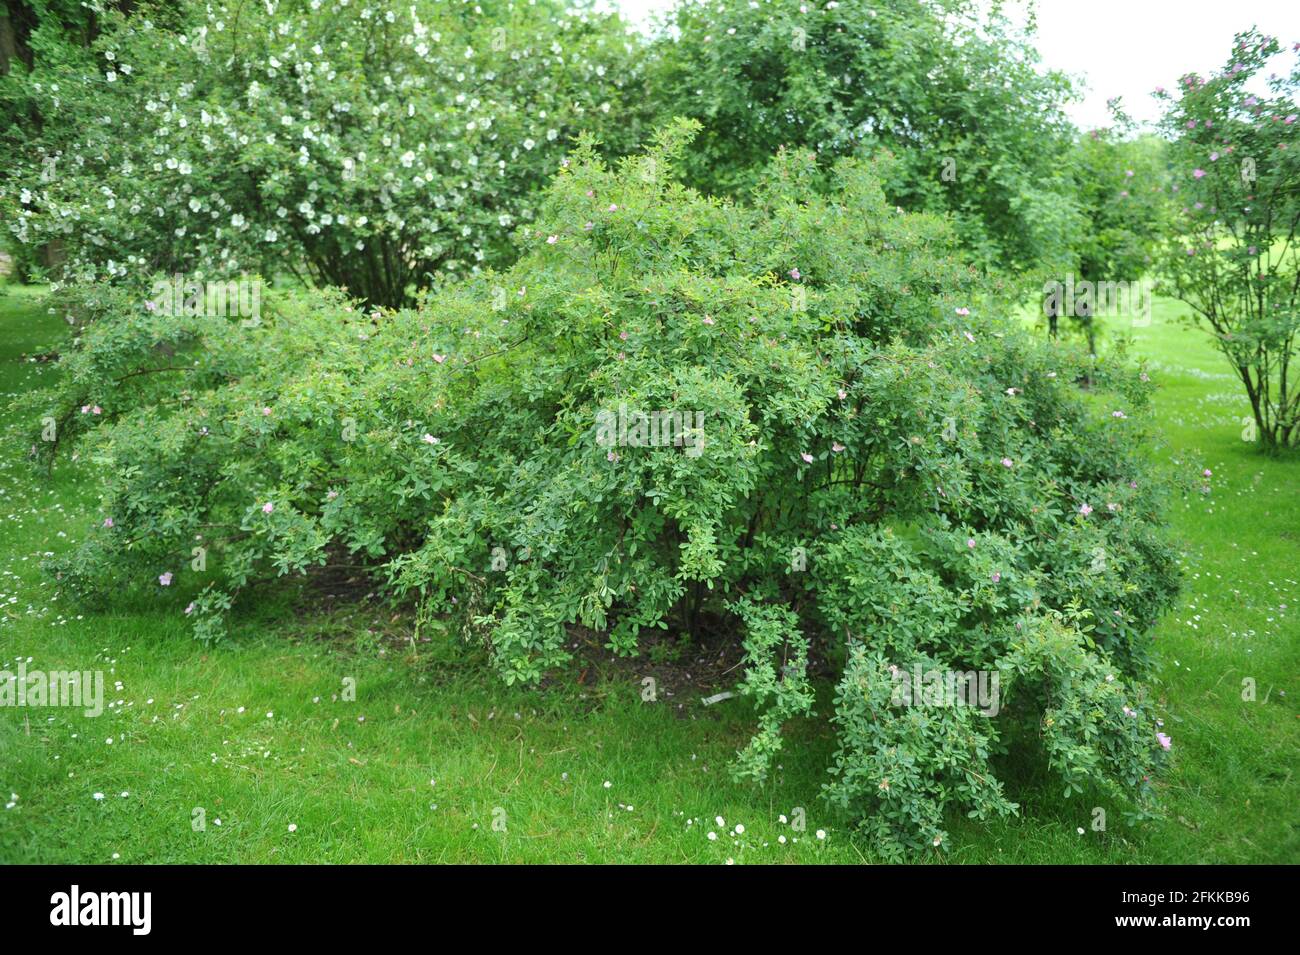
799 418
954 90
1123 190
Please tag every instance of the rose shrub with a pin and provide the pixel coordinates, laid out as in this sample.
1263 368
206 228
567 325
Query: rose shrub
1231 254
862 462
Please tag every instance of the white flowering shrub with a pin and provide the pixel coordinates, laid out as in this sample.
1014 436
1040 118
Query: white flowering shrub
377 145
799 420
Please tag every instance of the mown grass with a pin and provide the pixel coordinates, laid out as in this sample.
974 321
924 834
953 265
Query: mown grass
257 734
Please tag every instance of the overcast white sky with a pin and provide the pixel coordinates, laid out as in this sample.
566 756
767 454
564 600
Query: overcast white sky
1124 47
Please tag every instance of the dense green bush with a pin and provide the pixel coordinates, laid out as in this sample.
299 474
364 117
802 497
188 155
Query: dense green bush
952 88
376 146
860 460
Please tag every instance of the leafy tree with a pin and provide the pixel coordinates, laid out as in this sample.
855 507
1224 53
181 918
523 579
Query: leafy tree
799 421
952 89
1236 166
377 146
1121 190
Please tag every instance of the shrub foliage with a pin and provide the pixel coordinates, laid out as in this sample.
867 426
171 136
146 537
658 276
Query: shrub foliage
860 466
953 89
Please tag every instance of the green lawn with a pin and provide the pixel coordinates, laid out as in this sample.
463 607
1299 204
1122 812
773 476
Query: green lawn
435 749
